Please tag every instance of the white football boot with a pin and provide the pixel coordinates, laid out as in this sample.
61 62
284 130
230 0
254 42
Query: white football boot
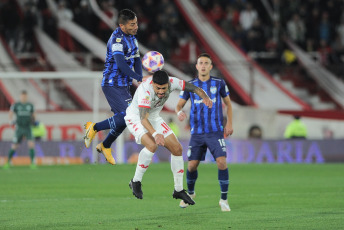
224 205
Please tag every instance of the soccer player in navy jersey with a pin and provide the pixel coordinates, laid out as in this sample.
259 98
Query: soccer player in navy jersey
122 55
207 129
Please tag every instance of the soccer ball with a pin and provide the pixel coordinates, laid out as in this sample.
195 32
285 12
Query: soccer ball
153 61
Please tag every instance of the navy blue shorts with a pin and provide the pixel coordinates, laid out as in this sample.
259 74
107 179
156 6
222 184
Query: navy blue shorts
200 142
119 98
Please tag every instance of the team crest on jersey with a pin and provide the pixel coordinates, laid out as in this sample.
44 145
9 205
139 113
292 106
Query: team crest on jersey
147 98
213 89
118 39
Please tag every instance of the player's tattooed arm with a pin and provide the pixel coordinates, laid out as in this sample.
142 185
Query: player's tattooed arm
194 89
200 92
144 113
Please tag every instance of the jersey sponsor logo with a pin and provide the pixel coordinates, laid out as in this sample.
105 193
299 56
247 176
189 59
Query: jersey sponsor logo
130 57
201 101
181 171
145 102
117 47
118 39
213 89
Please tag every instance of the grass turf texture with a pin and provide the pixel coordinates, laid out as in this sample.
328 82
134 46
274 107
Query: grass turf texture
262 196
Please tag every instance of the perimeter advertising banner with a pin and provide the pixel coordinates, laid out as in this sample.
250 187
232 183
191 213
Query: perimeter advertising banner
238 151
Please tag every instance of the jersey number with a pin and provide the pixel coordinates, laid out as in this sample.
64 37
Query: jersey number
222 142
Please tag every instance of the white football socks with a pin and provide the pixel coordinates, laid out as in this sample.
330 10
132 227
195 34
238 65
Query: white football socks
177 167
145 157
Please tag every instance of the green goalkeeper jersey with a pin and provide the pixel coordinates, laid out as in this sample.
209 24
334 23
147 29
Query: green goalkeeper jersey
24 113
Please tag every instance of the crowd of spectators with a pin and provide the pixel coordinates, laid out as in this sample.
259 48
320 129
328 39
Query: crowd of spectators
316 26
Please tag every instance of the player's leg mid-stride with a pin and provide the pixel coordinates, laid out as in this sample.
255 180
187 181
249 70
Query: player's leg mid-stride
184 196
89 135
136 188
106 152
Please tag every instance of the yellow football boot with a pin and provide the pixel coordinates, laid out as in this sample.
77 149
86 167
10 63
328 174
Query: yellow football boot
106 152
89 133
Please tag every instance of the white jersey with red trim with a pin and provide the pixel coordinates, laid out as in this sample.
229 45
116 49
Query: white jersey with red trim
146 97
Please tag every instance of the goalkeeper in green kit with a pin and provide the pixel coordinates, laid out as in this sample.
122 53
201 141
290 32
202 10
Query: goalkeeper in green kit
25 115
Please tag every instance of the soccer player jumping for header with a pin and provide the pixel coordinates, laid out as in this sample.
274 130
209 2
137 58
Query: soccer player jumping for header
122 55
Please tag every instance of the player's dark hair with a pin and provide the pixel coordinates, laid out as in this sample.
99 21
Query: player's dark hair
205 55
23 92
160 77
125 15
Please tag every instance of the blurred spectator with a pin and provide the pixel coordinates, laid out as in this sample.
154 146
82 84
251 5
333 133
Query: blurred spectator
248 16
10 22
256 37
26 44
255 132
49 23
296 129
216 13
296 30
104 30
325 28
231 19
325 52
186 55
84 16
64 14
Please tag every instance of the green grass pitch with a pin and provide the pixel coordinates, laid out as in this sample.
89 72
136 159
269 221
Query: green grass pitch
262 196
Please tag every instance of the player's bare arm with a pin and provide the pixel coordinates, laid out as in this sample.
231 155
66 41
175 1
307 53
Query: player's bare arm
228 130
144 114
181 114
200 92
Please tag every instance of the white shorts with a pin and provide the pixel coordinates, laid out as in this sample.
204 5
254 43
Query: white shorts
137 130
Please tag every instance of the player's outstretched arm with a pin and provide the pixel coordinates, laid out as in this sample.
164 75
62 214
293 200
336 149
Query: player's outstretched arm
181 115
144 114
200 92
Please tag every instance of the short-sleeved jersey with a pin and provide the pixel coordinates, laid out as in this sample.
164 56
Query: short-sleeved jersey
146 97
202 118
23 113
119 43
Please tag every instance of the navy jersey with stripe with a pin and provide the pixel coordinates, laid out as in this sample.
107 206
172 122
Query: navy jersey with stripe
202 118
119 43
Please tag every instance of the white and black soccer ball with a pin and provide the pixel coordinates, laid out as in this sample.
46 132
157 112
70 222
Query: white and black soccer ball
153 61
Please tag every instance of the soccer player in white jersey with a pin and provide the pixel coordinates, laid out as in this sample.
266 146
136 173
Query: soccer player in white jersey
149 129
